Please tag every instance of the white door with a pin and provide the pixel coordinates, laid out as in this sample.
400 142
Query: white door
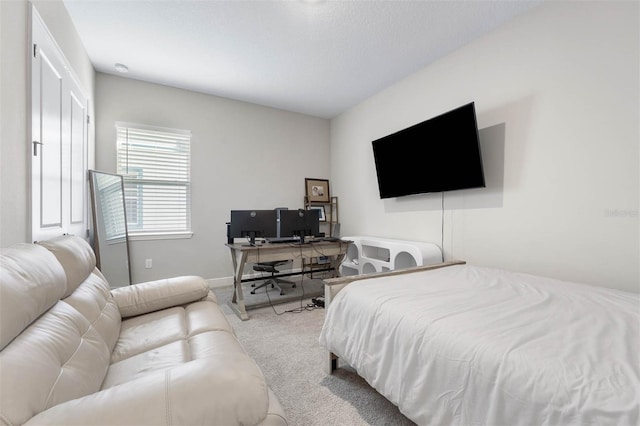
59 141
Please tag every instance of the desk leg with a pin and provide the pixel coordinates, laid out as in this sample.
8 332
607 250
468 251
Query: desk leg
335 264
237 301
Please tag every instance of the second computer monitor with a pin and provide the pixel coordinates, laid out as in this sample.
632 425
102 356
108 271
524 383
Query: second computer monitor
294 223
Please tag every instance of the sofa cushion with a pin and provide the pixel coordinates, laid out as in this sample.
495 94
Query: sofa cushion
160 358
31 281
169 338
205 345
195 393
58 358
76 257
146 332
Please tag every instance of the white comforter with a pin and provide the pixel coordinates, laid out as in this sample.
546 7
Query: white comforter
467 345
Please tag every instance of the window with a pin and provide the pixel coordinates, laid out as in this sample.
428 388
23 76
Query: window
155 165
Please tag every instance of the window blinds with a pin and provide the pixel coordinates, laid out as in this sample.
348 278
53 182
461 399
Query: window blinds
155 165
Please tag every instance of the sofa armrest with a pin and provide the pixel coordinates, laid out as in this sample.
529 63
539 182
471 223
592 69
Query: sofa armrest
196 393
152 296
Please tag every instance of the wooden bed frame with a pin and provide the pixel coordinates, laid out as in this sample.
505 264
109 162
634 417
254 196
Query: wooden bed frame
333 286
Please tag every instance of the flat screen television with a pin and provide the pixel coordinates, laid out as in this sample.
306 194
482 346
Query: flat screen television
252 223
439 154
299 223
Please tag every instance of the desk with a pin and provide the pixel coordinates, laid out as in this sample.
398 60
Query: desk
241 254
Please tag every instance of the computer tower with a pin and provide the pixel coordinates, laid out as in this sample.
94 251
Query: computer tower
278 210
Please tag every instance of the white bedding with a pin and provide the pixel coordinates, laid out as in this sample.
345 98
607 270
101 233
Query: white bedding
470 346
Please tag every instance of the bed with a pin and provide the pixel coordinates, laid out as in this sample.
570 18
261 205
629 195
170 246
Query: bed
479 346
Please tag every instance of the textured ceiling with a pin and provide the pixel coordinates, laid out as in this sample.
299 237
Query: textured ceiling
317 58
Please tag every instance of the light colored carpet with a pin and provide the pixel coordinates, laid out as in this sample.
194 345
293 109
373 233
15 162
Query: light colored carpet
287 350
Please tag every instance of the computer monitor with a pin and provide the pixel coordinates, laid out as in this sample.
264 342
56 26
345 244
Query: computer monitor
252 223
299 223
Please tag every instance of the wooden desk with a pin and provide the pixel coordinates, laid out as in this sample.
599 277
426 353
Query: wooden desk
241 254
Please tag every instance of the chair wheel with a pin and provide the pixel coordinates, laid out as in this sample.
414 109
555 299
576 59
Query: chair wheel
273 286
293 286
253 285
281 293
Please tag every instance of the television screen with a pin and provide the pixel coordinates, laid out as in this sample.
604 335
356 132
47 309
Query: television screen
439 154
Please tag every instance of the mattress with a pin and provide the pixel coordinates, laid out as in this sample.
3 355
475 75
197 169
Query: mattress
468 345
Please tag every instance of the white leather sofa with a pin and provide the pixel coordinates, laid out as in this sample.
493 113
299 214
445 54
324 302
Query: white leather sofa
75 352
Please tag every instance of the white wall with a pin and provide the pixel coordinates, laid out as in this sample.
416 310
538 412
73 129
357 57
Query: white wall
244 156
15 147
557 99
13 122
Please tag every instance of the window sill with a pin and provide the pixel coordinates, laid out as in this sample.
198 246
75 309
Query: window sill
160 236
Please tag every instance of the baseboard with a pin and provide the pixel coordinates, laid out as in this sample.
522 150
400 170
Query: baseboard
220 282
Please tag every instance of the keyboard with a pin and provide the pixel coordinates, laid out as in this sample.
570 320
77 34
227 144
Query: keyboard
282 240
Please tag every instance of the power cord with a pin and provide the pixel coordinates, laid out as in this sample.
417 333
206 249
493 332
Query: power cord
442 229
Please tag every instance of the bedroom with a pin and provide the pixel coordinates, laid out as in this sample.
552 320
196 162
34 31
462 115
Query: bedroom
560 81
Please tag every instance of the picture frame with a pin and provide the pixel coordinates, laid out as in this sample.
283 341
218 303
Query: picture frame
317 190
323 216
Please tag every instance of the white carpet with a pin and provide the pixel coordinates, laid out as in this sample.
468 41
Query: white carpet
286 349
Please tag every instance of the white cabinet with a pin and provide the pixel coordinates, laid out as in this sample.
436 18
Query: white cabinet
372 254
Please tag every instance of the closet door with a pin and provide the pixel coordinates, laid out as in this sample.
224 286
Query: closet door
59 142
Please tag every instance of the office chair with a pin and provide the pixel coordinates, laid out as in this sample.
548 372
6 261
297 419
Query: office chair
273 280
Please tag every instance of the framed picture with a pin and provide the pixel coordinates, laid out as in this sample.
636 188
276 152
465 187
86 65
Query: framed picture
323 217
317 190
